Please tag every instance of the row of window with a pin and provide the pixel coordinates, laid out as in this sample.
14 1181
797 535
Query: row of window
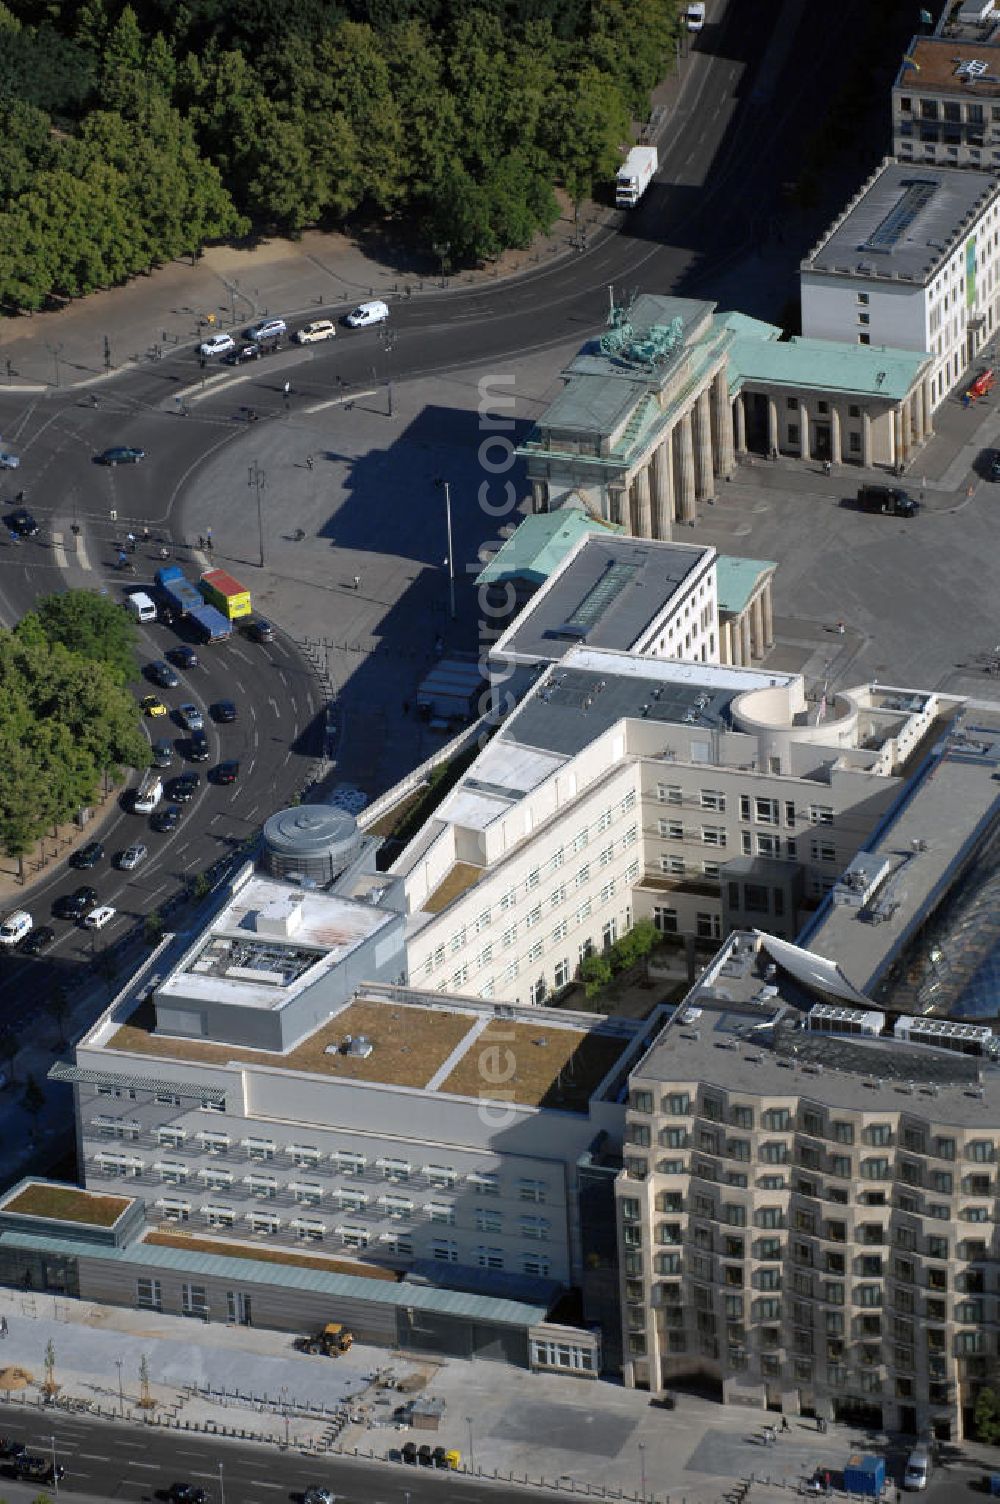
757 808
343 1161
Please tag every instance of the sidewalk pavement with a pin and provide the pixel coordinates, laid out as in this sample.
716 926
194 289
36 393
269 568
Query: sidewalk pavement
575 1434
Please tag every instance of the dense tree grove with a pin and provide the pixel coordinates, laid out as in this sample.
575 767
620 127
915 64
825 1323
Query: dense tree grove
132 133
65 716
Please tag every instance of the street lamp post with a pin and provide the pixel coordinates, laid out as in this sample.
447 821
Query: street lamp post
642 1471
472 1455
258 480
222 1487
121 1391
55 1474
451 553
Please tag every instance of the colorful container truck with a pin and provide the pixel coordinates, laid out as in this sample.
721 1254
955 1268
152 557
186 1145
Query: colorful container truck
207 623
224 592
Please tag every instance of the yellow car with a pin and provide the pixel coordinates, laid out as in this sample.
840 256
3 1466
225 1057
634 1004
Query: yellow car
152 706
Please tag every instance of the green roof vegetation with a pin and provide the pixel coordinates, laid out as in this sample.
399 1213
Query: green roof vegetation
67 1204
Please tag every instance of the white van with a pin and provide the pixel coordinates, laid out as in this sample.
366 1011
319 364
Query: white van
15 927
149 793
696 16
140 606
367 313
918 1469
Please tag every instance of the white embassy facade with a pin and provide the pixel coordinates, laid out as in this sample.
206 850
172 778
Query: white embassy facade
911 263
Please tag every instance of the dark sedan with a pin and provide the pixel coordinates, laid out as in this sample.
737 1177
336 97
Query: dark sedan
162 674
198 746
120 454
242 354
226 772
88 856
183 788
166 820
22 523
186 1493
995 465
183 656
38 940
223 711
75 905
163 753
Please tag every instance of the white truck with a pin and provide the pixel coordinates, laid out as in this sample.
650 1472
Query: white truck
635 175
696 16
140 606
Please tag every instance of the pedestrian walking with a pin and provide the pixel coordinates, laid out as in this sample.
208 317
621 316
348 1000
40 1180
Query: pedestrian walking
201 541
208 539
131 541
3 1326
309 461
827 467
145 535
784 1422
841 629
287 388
357 582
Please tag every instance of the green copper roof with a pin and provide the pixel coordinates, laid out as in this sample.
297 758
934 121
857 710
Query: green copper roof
736 580
824 365
540 544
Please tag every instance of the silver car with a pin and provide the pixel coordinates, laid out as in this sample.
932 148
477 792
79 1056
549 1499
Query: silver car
191 717
131 857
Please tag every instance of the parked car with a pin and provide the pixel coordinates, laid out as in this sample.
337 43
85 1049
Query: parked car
216 344
167 819
890 500
75 905
99 917
267 329
38 940
198 746
88 856
132 857
9 461
223 711
183 788
162 674
120 454
183 656
319 329
226 772
21 522
152 705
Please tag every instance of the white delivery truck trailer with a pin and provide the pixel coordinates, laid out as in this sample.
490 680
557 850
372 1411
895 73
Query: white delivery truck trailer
635 175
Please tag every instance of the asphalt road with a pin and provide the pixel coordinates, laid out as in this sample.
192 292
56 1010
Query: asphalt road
751 95
107 1461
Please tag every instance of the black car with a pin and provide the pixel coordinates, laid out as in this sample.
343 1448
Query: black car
223 711
259 630
166 820
198 746
120 454
186 1493
183 656
226 772
162 674
37 940
22 523
38 1468
183 788
88 856
10 1449
995 465
75 905
163 753
242 354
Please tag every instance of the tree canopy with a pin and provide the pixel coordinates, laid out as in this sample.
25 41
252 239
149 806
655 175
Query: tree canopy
66 717
132 133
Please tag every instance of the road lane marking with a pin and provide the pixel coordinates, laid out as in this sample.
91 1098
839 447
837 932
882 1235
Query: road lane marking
58 550
274 706
319 407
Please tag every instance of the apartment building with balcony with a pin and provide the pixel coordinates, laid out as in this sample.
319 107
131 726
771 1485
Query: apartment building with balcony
807 1206
911 263
700 796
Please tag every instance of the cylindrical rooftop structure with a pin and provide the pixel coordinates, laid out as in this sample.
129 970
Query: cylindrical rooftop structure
314 841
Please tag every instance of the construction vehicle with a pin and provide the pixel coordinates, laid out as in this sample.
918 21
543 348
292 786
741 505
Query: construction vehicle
333 1340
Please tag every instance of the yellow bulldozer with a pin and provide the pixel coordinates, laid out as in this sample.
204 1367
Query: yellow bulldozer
333 1340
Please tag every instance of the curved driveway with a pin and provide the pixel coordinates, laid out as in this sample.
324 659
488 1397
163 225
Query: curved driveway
742 110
